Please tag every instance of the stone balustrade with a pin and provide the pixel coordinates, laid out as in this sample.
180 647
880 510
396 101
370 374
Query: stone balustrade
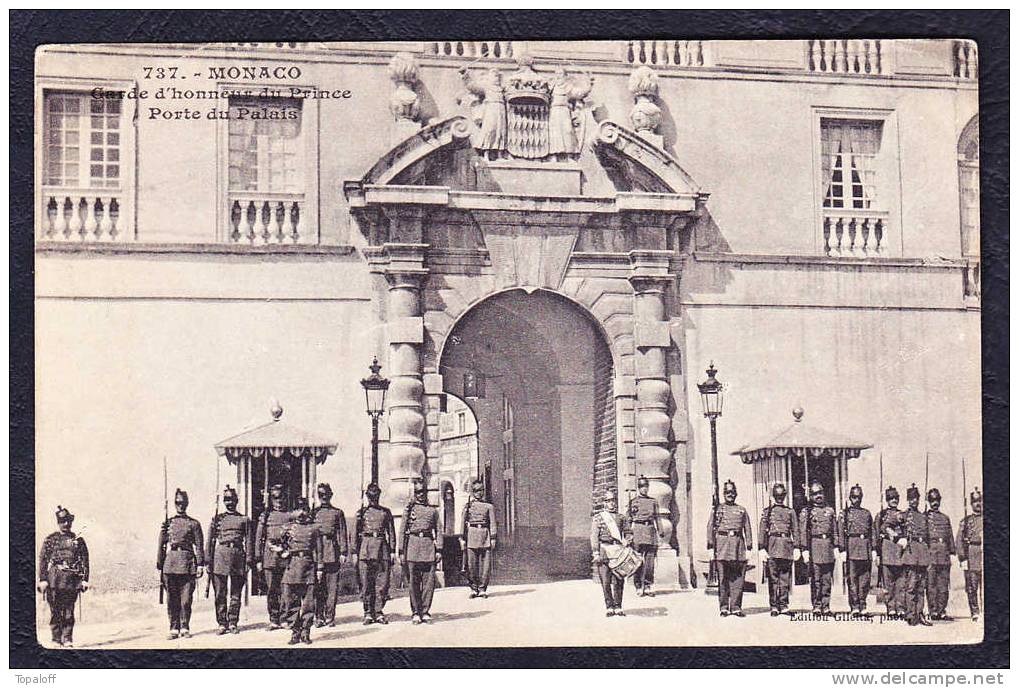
483 49
852 56
265 218
965 59
854 232
80 214
664 53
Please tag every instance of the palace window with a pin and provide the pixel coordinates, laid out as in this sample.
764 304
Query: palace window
849 151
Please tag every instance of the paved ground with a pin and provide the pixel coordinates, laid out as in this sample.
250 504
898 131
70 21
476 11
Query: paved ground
540 614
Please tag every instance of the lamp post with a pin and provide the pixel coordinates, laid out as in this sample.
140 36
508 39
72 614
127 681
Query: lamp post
375 387
711 397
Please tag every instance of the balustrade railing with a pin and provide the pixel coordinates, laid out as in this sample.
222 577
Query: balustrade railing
971 280
846 56
80 214
849 232
965 59
483 49
676 53
265 218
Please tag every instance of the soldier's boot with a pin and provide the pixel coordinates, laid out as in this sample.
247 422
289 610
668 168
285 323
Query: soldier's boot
185 632
306 636
295 637
234 629
368 620
221 630
380 618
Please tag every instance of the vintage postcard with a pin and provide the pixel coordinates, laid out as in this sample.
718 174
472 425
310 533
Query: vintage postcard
502 343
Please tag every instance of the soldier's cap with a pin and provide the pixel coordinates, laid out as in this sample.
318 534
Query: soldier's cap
276 490
729 486
976 495
608 495
229 493
816 488
180 494
891 493
778 489
642 480
913 492
419 487
933 494
856 490
373 488
63 514
325 488
301 504
477 482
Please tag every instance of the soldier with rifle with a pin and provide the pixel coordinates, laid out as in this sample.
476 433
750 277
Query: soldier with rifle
888 532
230 555
916 558
268 548
942 549
63 574
643 513
479 533
301 549
180 561
779 547
333 525
729 539
817 542
420 551
374 547
971 550
855 542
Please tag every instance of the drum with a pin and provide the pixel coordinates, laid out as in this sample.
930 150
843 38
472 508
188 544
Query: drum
625 564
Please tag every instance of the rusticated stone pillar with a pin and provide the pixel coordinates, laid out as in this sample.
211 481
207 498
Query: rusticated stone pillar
650 278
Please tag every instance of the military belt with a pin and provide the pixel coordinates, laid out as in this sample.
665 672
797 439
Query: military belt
422 534
645 523
372 533
477 525
730 533
821 536
785 535
300 553
862 536
916 539
180 548
939 539
231 543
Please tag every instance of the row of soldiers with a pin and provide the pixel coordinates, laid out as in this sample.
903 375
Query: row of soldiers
913 550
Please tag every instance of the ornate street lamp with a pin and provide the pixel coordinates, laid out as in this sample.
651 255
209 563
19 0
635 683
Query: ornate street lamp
711 397
375 387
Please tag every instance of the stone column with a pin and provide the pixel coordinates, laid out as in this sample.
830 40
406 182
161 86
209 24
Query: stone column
650 278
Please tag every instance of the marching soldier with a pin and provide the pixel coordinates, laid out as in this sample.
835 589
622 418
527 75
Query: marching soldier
180 560
855 542
730 538
915 558
374 546
421 552
644 526
63 573
779 547
229 556
479 533
268 537
971 551
301 548
942 547
817 542
333 525
888 530
608 528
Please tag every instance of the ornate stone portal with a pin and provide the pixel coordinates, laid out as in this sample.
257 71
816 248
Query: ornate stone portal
444 233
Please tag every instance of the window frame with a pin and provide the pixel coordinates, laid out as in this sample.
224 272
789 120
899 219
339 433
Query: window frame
310 118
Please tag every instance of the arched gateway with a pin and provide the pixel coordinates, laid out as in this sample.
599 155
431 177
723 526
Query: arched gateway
553 280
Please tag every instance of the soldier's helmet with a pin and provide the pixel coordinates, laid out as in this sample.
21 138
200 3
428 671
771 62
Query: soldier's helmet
301 505
642 481
778 491
180 496
816 488
420 487
229 494
891 493
325 489
729 487
913 492
976 496
63 515
373 490
933 495
276 491
608 497
856 492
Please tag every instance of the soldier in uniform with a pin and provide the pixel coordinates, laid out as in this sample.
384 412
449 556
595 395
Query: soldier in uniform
180 560
268 537
888 530
301 548
971 551
63 573
855 542
374 546
608 529
916 558
730 537
230 556
479 534
333 525
643 514
942 548
779 547
817 542
421 552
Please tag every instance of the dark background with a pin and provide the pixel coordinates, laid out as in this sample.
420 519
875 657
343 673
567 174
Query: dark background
989 29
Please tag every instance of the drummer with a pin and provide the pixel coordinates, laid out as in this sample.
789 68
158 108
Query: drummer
610 532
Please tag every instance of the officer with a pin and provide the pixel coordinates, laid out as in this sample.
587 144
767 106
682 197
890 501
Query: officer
817 542
779 547
915 558
730 538
181 559
301 548
942 548
333 525
643 513
971 551
421 552
888 530
855 542
230 556
63 573
374 546
608 532
268 538
479 534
